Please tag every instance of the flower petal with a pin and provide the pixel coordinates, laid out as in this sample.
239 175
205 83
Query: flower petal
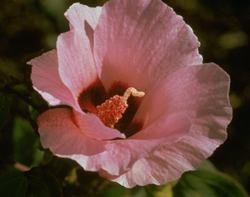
59 133
202 92
81 16
76 64
120 155
46 80
92 127
53 101
171 127
140 42
169 162
78 14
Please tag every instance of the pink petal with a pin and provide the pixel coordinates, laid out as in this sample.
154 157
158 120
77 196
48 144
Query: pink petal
46 80
171 126
202 92
199 91
81 16
92 127
49 98
78 14
120 155
140 42
76 64
169 162
59 133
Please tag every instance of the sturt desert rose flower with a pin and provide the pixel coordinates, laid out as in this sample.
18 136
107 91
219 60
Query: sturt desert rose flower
143 106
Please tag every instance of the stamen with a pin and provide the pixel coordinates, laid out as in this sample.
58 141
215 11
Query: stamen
111 111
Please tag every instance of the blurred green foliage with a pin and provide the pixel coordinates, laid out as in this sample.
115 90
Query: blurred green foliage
204 182
30 27
207 182
35 182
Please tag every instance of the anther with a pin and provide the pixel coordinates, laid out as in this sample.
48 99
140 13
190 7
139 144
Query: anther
111 111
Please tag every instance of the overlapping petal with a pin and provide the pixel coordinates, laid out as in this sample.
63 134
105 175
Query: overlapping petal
92 126
46 79
202 92
167 126
120 155
83 19
76 64
59 133
140 42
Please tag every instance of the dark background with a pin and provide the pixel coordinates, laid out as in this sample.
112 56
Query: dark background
30 27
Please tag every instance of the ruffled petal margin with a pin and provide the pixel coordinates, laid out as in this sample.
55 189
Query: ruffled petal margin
141 42
46 79
76 64
202 92
60 134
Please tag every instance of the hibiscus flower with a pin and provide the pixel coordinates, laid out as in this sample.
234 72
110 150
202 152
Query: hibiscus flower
143 108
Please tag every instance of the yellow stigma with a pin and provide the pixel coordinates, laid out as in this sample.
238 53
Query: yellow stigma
111 110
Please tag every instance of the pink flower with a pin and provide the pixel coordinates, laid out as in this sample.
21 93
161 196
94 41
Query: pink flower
174 119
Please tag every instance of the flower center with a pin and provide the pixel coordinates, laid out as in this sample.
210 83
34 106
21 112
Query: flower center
111 110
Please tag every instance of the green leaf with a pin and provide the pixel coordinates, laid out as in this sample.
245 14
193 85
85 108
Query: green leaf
115 190
10 73
13 184
26 143
5 108
42 184
164 191
34 183
208 183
